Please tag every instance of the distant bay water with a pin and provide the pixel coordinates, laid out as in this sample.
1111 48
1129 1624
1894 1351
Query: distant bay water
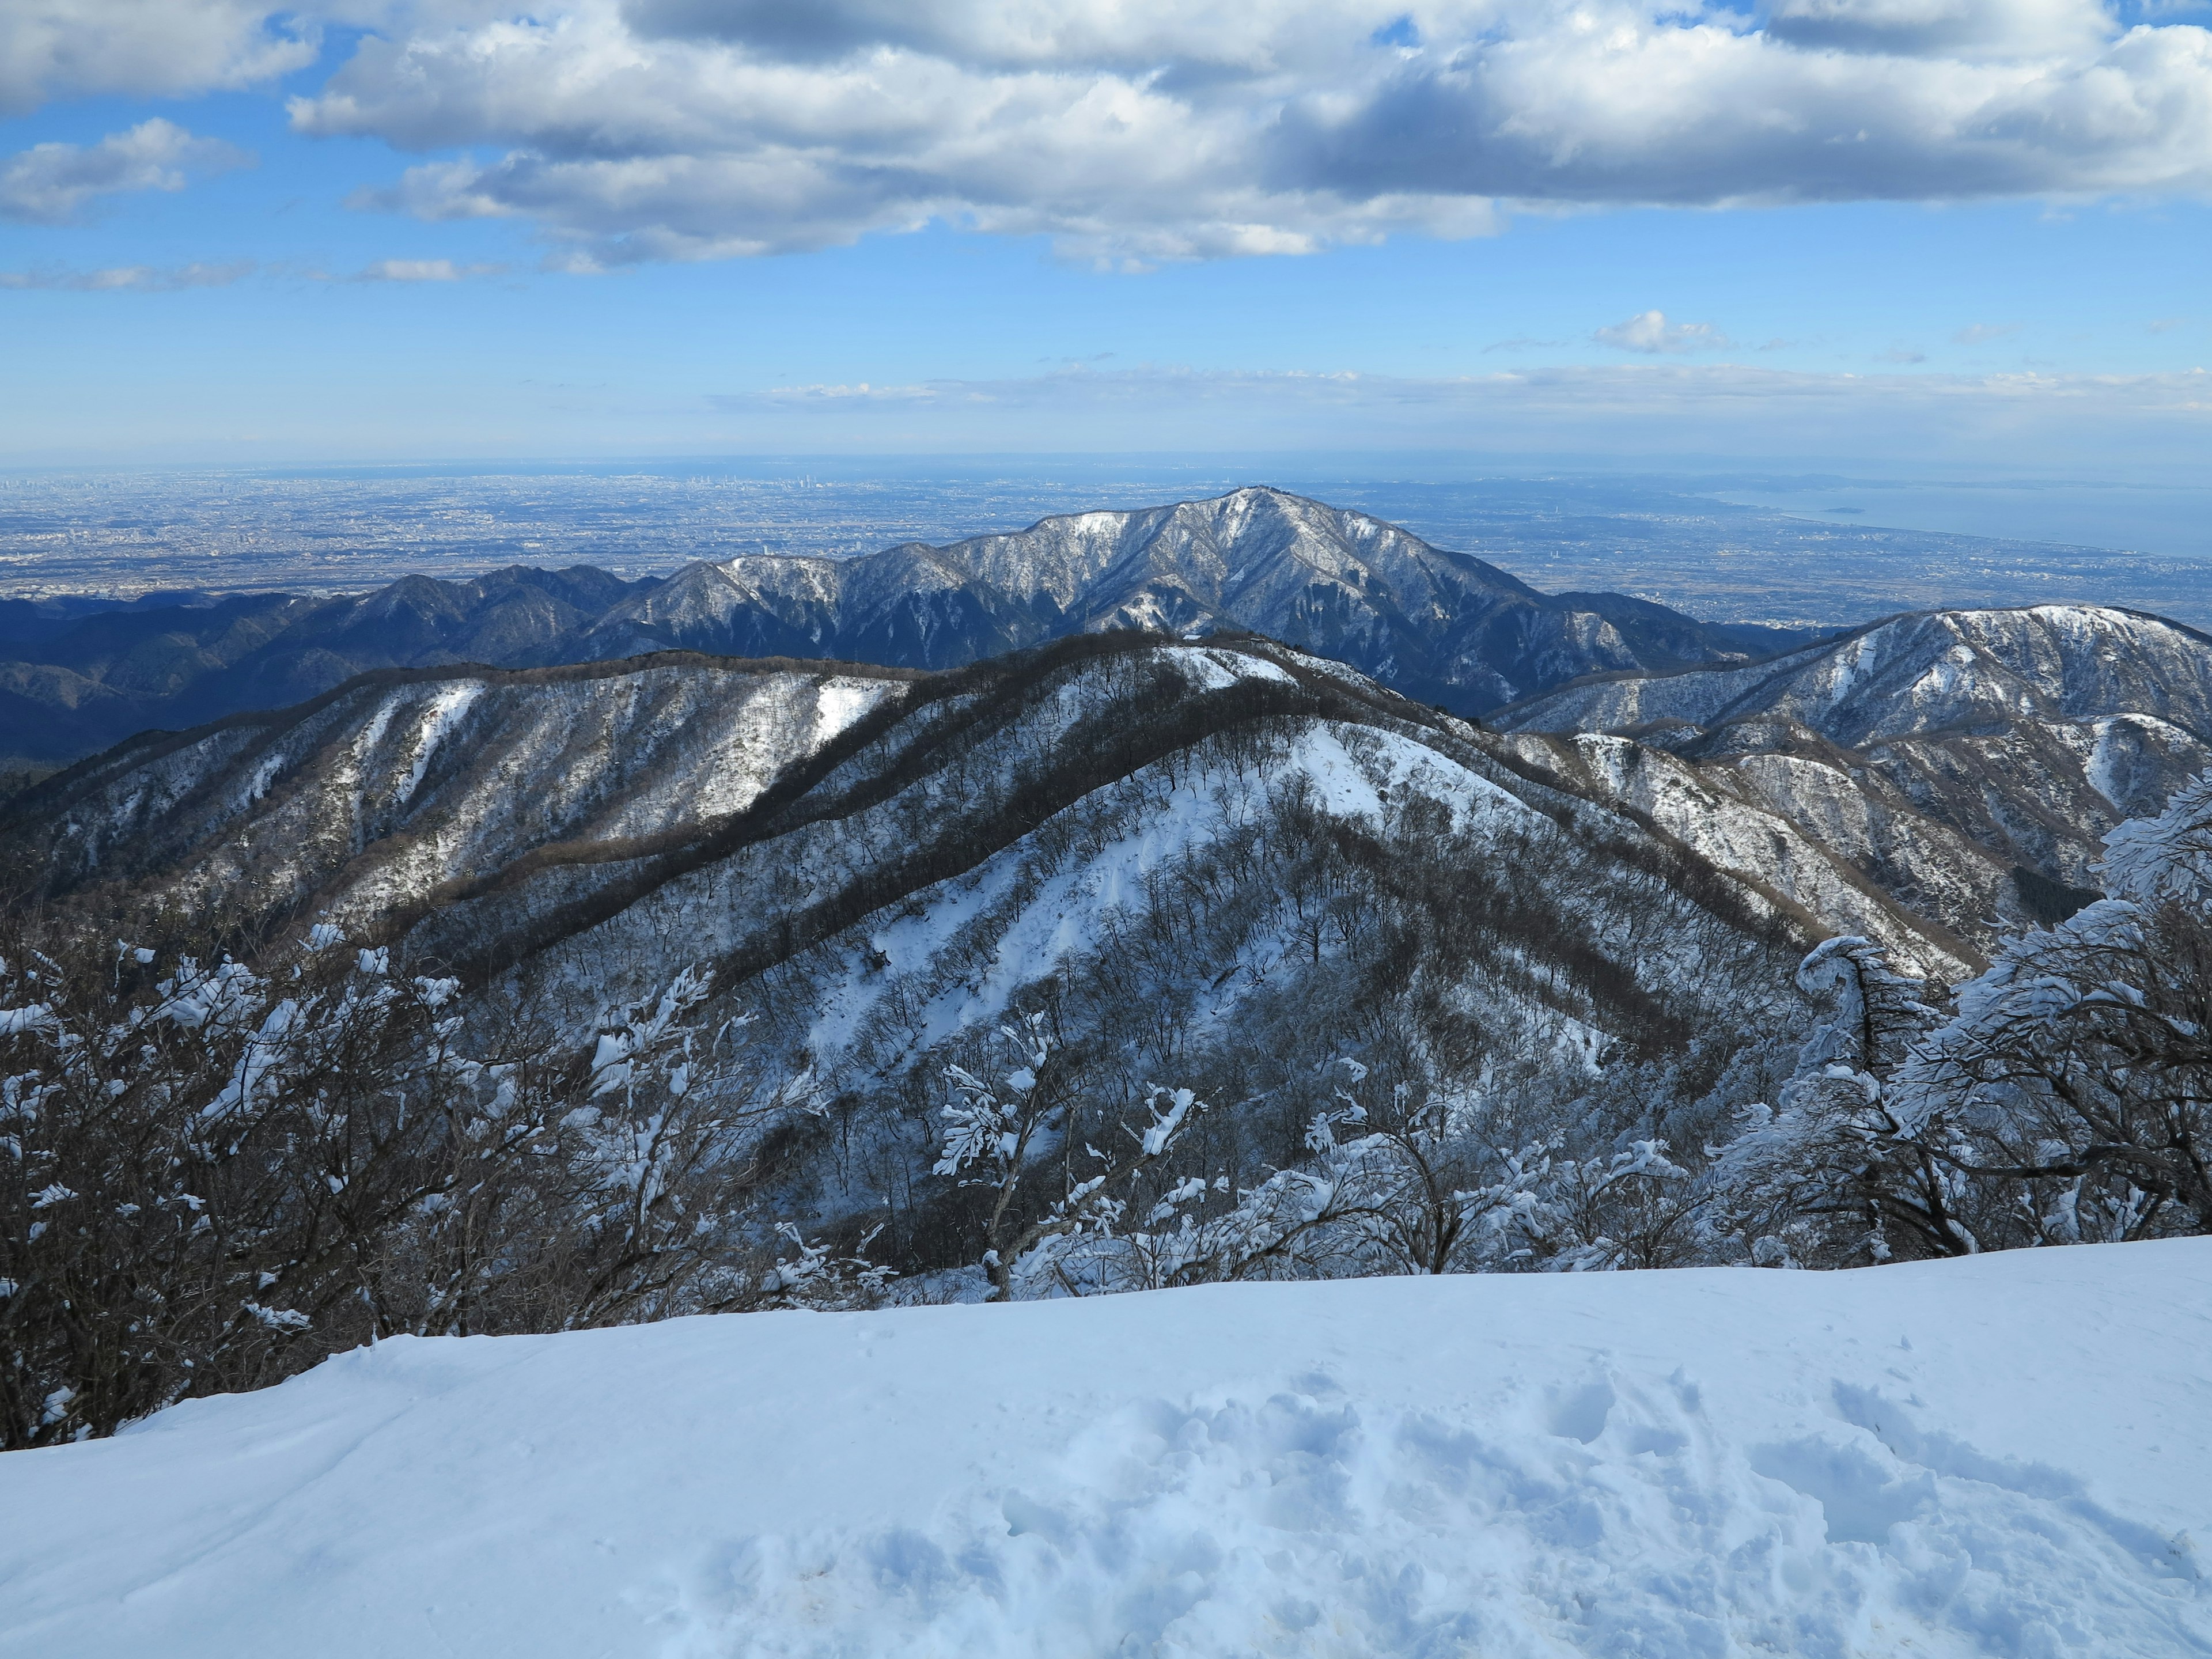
2171 520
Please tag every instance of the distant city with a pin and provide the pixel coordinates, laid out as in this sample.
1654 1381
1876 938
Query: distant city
1777 552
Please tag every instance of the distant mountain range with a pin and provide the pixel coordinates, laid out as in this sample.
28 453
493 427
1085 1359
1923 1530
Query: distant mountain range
1440 627
73 682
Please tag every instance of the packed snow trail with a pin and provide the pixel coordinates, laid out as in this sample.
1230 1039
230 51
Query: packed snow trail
2010 1455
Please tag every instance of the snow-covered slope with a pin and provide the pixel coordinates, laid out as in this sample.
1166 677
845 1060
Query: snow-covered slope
1958 761
377 795
1230 866
1831 856
2001 1455
1438 626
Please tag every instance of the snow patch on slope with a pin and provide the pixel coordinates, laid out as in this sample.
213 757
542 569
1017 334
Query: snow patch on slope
838 703
440 715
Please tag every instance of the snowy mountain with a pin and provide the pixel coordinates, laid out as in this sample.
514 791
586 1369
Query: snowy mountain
1438 626
1965 763
2004 1455
1442 627
1226 865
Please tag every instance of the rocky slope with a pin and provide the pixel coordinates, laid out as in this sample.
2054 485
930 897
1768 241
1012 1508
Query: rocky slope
1442 627
1965 763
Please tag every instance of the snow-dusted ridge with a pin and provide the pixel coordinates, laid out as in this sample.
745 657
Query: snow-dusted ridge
1998 1455
1918 674
1221 863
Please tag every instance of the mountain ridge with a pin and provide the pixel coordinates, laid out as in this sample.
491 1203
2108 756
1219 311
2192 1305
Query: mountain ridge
1967 761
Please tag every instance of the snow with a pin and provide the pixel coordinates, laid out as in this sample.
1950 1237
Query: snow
2006 1454
2100 771
1064 915
256 785
839 703
1216 670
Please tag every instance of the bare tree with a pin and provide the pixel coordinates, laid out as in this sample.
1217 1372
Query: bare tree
212 1175
1006 1132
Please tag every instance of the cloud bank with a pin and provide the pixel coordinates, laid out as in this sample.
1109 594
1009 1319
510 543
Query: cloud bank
1146 130
1659 410
1149 129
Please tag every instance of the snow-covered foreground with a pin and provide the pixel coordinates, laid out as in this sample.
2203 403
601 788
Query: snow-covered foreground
2010 1455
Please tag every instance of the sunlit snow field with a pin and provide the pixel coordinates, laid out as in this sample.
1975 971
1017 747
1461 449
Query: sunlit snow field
2009 1454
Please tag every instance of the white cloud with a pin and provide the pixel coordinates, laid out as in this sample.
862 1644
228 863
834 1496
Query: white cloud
1983 333
423 271
1650 331
60 47
131 279
1633 109
819 393
51 183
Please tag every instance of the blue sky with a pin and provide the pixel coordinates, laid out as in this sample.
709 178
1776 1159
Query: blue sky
698 226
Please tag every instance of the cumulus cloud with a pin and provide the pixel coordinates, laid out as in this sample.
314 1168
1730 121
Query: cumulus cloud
1650 331
51 183
130 279
60 47
2000 28
1629 108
